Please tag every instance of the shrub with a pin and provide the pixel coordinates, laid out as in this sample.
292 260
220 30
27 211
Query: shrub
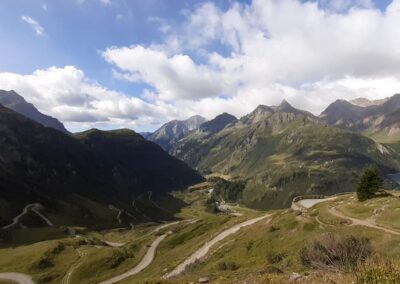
336 253
211 205
58 249
192 266
43 263
227 265
274 258
119 257
369 184
273 229
230 191
378 271
249 245
273 270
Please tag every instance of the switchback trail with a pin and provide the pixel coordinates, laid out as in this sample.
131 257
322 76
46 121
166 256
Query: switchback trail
34 207
146 261
201 252
365 223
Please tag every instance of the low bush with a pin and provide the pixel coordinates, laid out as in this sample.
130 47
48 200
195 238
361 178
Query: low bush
192 267
273 229
378 271
43 263
211 205
274 258
227 265
271 269
230 191
336 253
58 249
118 258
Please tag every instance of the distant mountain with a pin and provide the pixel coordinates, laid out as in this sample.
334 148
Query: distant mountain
89 179
379 120
281 152
14 101
145 134
174 130
217 124
363 102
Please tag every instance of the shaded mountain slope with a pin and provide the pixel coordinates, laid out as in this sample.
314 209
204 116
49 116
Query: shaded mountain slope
78 181
217 124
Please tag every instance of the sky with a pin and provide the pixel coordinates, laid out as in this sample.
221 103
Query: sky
138 64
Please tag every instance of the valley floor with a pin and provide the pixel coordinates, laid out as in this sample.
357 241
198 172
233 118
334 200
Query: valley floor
250 247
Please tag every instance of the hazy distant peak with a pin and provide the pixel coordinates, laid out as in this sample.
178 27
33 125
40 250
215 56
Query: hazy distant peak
16 102
174 130
364 102
263 109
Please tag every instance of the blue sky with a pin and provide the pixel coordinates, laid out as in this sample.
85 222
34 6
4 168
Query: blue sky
205 38
77 29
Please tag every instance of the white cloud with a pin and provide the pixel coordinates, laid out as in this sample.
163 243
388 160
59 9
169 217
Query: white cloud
67 94
231 60
162 24
39 30
175 77
308 52
106 2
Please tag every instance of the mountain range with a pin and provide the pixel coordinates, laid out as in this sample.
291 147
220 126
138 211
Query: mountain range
281 151
174 130
379 120
92 179
278 152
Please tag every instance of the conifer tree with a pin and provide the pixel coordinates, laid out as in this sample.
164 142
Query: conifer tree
370 182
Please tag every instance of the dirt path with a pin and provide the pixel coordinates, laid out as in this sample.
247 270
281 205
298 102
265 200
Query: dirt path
68 275
146 261
16 277
207 246
308 203
365 223
34 207
114 244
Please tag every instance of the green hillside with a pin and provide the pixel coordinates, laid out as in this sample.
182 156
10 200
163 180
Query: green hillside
284 153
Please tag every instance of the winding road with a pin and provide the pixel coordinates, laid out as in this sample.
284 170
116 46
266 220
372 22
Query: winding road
207 246
359 222
308 203
16 278
146 261
34 207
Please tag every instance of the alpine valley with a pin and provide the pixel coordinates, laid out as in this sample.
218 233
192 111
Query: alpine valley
96 206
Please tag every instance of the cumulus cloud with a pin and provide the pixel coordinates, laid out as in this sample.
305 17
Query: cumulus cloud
39 30
310 53
67 94
175 77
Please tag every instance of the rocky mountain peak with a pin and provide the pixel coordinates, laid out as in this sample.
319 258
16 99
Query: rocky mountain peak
218 123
